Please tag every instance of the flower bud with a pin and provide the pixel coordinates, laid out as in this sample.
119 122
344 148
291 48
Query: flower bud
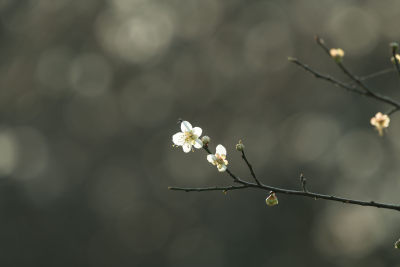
380 121
397 59
337 54
272 199
394 46
397 244
205 139
240 146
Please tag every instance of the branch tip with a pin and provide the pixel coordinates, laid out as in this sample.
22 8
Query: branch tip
318 39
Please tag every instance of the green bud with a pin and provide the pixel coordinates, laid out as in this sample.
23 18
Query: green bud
272 199
394 46
397 244
205 139
240 146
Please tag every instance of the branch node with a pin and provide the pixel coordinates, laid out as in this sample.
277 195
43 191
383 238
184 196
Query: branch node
303 182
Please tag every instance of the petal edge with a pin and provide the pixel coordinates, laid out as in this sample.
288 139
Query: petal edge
186 126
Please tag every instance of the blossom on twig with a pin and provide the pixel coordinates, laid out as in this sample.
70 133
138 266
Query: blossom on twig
219 159
188 137
397 58
397 244
337 54
272 199
380 121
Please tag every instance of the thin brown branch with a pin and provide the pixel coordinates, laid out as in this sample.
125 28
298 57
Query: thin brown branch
268 188
327 77
393 110
396 61
348 87
303 182
376 74
357 80
294 192
201 189
250 168
233 176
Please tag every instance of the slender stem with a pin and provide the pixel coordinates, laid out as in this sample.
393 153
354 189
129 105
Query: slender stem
356 79
250 167
347 87
304 193
396 61
321 43
293 192
376 74
303 182
233 176
393 110
201 189
326 77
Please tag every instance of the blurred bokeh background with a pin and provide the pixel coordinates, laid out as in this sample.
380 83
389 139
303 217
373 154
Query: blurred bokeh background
90 93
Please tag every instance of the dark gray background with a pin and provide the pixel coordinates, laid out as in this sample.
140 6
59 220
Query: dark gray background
90 92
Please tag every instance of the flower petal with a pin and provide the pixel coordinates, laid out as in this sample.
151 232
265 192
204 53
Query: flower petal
178 138
386 123
186 126
197 131
220 150
186 147
222 168
211 158
198 143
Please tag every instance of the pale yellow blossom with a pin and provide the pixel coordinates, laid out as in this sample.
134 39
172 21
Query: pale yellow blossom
380 121
397 57
337 54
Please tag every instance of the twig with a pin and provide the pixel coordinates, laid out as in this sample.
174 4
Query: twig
304 193
357 80
376 74
303 182
393 110
250 167
296 193
201 189
395 60
347 87
326 77
233 176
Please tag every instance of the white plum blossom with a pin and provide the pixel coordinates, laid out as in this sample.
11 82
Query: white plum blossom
188 137
219 159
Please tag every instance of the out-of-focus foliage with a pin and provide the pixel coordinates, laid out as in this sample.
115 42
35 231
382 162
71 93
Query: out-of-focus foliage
90 92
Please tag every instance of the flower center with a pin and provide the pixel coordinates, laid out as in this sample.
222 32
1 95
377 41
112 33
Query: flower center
220 159
380 122
190 137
